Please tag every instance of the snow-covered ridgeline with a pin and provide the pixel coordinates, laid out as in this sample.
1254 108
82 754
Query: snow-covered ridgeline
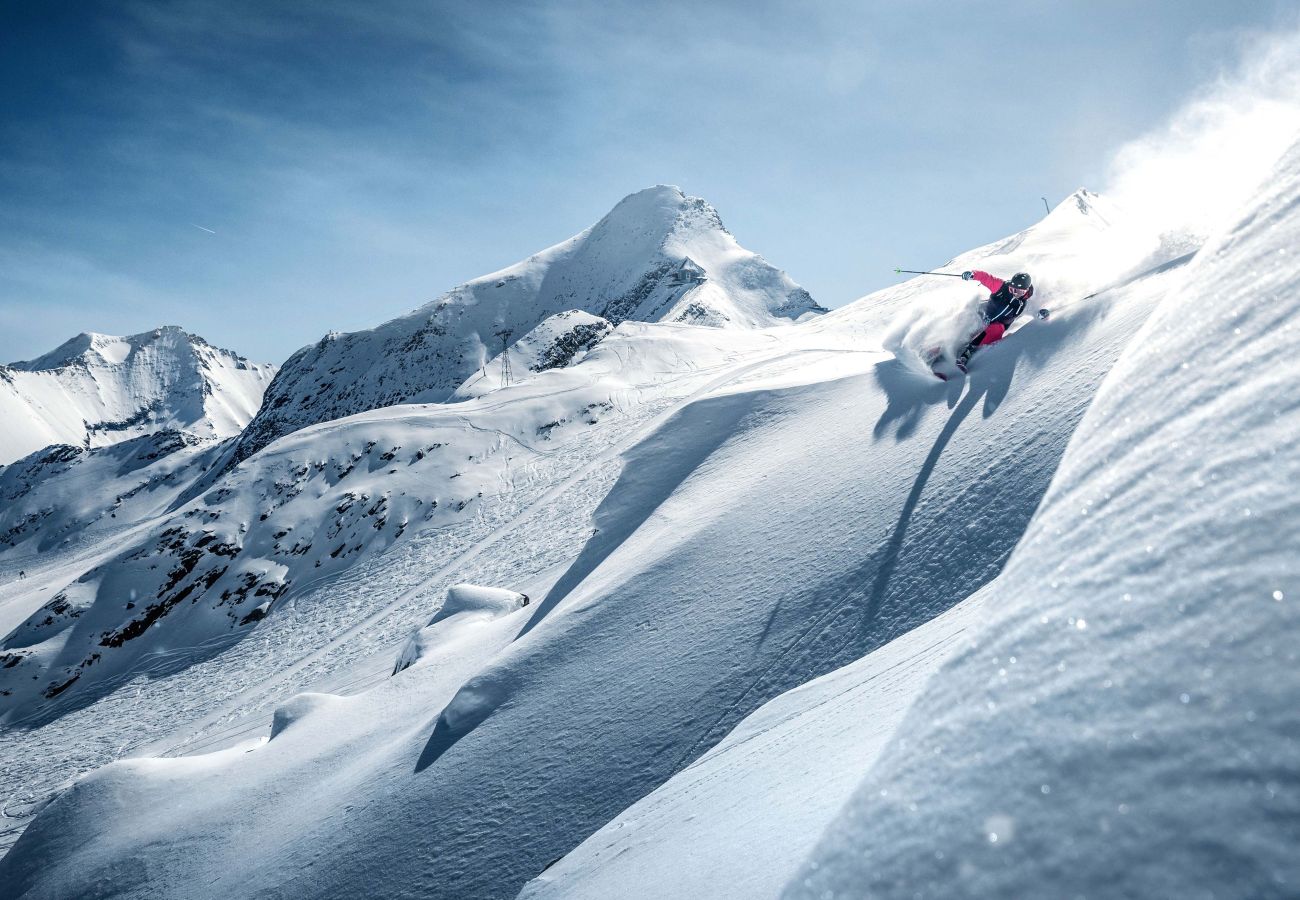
797 518
96 390
322 500
1119 716
1125 720
659 255
63 509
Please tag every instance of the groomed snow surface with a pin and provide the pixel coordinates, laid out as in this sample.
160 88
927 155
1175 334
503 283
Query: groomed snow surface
802 620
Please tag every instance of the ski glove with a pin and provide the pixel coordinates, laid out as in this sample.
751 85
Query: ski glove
1043 314
967 276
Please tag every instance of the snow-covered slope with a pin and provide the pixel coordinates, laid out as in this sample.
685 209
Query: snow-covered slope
802 499
64 508
738 822
319 503
1146 740
556 341
1115 715
659 255
96 390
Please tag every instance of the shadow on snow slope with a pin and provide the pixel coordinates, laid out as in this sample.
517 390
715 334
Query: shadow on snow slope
680 449
754 542
717 579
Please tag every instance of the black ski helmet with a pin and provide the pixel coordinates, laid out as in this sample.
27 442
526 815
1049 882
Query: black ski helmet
1021 280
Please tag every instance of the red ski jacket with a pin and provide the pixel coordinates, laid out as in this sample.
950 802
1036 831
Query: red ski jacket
1001 306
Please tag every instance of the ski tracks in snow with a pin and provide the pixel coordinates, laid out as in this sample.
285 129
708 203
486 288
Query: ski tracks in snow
460 562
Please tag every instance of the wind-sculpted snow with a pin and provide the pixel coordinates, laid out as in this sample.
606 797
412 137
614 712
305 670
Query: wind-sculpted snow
1125 720
97 390
466 608
659 255
809 500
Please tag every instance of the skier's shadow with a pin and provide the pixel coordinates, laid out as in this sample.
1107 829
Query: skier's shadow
908 393
989 380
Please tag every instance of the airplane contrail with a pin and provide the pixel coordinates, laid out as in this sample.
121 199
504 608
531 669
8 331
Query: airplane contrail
201 228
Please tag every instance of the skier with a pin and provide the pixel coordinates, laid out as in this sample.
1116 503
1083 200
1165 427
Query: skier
1004 306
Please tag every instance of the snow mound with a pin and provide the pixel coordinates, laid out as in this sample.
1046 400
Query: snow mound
465 606
659 255
1124 721
470 598
95 390
299 707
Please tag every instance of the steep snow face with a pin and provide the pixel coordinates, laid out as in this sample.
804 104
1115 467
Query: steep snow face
1126 718
812 501
97 390
1081 247
738 822
659 255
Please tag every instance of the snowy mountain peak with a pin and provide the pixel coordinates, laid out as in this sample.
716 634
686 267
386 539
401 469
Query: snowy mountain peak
1082 203
89 348
1082 200
658 256
644 207
663 209
98 389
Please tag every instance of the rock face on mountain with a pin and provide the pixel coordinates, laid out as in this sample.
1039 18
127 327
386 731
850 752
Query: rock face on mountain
96 390
556 342
659 255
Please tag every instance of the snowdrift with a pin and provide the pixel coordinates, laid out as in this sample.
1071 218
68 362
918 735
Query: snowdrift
1112 716
798 501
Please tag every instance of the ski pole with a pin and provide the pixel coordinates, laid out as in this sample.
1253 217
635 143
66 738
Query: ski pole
915 272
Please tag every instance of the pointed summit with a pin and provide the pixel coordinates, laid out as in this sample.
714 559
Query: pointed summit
1084 202
658 256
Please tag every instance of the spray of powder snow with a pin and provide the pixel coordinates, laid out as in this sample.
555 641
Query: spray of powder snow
937 322
1185 178
1168 190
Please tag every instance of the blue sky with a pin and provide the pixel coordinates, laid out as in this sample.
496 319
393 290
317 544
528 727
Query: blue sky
263 172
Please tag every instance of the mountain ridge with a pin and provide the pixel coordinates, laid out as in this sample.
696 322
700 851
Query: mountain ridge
658 255
96 389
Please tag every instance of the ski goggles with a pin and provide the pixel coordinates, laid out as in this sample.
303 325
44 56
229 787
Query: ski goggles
1017 291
